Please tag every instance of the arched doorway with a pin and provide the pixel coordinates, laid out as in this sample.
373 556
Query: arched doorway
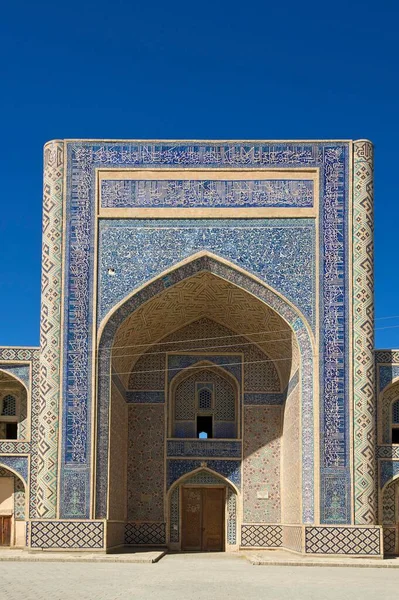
203 512
204 317
12 509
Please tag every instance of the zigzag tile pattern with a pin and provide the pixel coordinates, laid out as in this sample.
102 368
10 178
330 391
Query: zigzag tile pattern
363 337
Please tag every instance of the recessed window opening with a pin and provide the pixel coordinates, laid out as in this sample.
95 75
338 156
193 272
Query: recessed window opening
9 406
11 431
204 426
395 422
204 399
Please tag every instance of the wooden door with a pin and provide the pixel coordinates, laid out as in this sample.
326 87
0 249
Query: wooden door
212 519
191 518
203 519
5 531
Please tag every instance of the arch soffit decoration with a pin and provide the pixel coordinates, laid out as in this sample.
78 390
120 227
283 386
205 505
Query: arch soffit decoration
164 340
392 384
183 478
198 264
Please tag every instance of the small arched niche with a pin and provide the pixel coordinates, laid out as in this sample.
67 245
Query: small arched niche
13 408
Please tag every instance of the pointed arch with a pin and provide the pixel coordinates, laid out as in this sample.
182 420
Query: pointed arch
206 262
190 474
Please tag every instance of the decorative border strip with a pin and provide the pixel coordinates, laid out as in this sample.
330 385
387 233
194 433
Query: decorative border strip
364 434
388 451
151 193
214 448
50 330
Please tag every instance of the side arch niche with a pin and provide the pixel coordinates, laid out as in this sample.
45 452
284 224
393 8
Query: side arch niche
203 315
13 508
14 413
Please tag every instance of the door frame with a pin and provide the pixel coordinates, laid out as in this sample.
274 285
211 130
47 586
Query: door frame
202 486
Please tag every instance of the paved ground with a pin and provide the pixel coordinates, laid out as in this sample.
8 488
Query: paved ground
193 577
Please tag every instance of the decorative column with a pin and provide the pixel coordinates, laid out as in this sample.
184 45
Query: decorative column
363 337
50 327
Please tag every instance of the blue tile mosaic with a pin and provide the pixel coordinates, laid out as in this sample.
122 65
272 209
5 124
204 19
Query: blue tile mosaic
150 193
279 251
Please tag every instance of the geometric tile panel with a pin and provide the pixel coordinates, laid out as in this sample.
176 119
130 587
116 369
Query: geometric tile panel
145 533
389 540
67 534
267 536
342 540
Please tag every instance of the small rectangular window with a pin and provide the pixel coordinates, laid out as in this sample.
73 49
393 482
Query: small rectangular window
204 426
11 431
395 435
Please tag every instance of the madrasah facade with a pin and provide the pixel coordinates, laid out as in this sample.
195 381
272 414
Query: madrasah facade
206 377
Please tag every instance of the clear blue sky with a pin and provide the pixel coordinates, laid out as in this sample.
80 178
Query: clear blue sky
221 69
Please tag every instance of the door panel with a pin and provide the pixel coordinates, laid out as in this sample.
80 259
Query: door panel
213 520
191 518
203 519
5 531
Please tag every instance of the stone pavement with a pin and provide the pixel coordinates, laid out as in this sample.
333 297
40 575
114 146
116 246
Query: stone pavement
193 577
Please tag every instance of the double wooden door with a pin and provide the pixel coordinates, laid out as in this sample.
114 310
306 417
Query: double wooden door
5 531
203 519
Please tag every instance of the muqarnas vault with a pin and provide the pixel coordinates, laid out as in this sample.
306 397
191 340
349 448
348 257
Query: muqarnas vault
206 377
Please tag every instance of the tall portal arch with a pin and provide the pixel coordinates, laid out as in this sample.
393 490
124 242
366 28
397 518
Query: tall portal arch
241 280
